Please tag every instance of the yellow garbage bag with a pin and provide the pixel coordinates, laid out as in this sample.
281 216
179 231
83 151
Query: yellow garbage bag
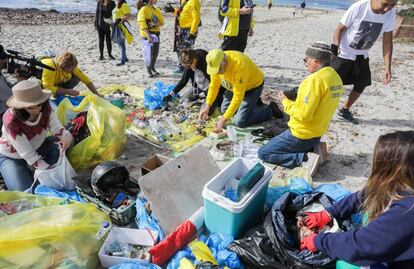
201 253
50 235
106 124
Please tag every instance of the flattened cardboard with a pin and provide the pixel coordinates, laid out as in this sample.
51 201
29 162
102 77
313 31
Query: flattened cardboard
175 189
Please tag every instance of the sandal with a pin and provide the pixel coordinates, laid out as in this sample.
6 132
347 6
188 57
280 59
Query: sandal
259 133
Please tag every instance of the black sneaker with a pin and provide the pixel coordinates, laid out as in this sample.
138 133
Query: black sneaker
111 57
346 115
119 64
155 72
275 110
101 58
150 74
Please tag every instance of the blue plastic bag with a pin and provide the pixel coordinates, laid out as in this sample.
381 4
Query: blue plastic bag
145 221
335 191
139 264
45 191
218 243
297 185
174 263
74 100
153 96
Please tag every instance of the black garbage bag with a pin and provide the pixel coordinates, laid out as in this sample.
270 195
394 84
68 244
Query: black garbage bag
256 250
275 245
280 226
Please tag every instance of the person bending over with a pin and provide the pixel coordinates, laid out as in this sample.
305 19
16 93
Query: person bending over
387 204
66 75
317 99
195 69
25 139
357 32
243 81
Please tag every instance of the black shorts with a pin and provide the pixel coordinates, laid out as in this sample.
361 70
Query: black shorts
355 73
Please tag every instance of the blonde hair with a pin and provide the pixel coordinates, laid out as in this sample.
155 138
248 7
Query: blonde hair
67 60
392 172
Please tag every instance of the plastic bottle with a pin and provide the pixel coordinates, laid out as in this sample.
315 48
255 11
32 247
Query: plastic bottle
103 230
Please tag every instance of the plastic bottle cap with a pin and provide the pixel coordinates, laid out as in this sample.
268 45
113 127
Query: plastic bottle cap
105 224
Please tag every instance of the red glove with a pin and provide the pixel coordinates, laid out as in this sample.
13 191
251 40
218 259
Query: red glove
308 242
317 220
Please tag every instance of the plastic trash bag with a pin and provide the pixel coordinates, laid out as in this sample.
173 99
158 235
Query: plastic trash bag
218 244
49 234
276 240
48 192
296 185
117 35
140 264
335 191
58 176
146 49
145 221
106 123
153 96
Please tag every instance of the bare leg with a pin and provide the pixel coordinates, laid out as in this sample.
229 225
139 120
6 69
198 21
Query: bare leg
353 96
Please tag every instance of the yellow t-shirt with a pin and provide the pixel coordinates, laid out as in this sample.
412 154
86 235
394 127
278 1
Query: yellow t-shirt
190 15
317 100
147 17
241 75
51 79
119 13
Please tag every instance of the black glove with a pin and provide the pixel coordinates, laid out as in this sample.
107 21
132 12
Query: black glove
192 37
334 49
167 98
168 8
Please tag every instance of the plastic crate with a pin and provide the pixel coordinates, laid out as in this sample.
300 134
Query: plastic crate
234 218
118 217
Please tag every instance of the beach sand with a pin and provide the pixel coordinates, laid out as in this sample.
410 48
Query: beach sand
277 46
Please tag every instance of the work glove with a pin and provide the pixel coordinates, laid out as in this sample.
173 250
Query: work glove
168 98
168 8
192 37
317 220
308 242
334 49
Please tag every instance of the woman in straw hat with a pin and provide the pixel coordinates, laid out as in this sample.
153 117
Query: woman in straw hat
24 140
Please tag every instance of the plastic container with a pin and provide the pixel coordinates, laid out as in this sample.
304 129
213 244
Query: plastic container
231 132
103 230
234 218
119 217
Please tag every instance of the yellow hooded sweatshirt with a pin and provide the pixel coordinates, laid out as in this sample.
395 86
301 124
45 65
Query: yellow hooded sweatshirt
146 18
51 79
241 75
317 100
190 15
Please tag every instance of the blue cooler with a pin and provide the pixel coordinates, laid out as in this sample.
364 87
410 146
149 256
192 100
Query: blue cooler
234 218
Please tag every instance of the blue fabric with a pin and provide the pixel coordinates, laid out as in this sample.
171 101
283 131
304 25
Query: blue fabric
139 264
153 96
16 173
388 238
48 192
249 113
286 150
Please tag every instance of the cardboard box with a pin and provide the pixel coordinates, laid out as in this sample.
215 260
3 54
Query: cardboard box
153 163
125 235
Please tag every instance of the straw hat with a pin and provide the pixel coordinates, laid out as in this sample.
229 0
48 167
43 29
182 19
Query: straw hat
27 93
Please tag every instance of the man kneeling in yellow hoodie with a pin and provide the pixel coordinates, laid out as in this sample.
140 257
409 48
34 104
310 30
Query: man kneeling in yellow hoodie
310 114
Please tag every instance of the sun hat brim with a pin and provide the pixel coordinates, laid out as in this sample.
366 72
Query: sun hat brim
12 102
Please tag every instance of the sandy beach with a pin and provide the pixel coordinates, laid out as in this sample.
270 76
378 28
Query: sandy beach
278 47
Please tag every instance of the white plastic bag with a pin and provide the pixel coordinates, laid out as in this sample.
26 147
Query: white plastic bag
146 49
58 176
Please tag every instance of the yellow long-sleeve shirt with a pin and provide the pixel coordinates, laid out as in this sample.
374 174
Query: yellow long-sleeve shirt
241 75
317 100
51 79
190 15
147 18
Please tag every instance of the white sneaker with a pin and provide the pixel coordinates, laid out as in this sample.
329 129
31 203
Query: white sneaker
312 164
322 150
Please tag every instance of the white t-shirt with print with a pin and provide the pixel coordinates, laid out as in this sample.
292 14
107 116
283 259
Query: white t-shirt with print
364 27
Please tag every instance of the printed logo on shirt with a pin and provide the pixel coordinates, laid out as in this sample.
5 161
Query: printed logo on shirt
366 36
226 84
